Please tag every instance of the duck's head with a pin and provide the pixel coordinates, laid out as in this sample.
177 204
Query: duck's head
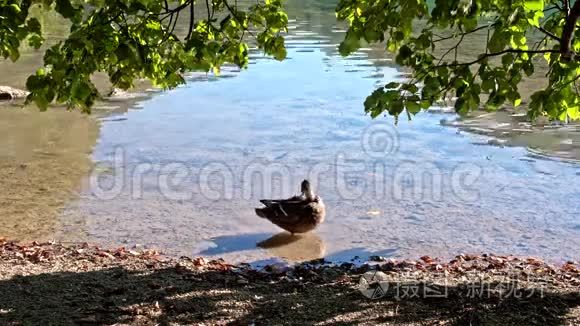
307 190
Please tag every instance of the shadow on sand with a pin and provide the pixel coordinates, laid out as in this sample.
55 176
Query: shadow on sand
173 295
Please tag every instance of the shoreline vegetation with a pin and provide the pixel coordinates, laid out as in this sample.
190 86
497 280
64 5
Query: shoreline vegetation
53 283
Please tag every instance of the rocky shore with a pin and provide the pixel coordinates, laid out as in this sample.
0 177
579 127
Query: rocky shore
10 93
52 283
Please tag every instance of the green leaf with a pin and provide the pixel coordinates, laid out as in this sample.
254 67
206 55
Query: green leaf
81 90
15 8
392 85
529 68
574 112
35 41
65 8
411 88
488 84
413 107
534 18
14 54
350 44
507 59
534 5
34 26
514 97
425 104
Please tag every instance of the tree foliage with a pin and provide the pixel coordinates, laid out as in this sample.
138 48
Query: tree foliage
508 55
130 39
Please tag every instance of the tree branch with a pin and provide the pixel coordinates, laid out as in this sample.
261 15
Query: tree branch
191 20
452 48
568 31
208 12
573 80
178 8
548 33
465 33
494 54
233 13
537 45
175 22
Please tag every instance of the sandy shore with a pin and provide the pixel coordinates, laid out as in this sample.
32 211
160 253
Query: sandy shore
51 283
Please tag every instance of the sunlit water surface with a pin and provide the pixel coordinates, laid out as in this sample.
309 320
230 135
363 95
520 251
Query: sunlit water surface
180 171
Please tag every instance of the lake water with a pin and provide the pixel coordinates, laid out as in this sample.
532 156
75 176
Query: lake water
182 170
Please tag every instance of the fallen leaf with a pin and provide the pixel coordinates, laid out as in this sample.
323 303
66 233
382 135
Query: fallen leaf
105 254
150 253
199 261
427 259
534 261
133 253
496 261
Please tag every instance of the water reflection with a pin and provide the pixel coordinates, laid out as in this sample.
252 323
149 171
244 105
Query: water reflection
297 247
294 248
230 243
544 142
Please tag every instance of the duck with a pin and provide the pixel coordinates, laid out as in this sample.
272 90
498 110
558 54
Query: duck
297 214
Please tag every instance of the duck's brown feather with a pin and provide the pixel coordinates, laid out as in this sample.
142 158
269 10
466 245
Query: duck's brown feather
296 214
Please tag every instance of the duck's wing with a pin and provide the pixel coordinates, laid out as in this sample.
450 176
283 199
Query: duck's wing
288 211
273 202
299 207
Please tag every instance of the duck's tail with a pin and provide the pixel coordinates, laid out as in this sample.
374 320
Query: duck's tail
260 212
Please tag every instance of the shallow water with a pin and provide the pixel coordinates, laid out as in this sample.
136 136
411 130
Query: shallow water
183 170
43 158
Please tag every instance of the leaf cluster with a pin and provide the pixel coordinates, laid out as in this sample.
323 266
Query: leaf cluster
137 39
519 36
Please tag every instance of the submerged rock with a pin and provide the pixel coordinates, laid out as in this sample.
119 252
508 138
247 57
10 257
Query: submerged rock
8 93
121 94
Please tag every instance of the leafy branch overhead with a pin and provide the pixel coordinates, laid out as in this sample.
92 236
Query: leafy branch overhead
131 39
520 36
